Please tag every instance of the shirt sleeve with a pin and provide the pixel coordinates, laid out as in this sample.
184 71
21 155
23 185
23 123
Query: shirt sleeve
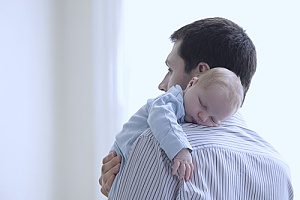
164 113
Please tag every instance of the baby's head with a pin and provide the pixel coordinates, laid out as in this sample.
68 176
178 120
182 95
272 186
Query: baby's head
212 97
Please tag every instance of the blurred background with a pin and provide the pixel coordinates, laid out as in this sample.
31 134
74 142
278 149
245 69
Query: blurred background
72 72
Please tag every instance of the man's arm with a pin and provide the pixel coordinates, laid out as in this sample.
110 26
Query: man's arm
147 173
110 168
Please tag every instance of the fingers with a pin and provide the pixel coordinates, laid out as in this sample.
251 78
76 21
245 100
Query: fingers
104 192
110 156
187 172
110 161
110 182
181 170
107 186
115 169
100 180
175 167
109 170
103 187
183 166
108 177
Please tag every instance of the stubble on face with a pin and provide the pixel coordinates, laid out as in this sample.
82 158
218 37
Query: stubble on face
176 64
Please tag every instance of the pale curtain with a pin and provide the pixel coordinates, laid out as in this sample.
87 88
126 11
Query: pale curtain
59 101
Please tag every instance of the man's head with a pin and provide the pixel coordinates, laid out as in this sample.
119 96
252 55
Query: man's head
209 43
212 97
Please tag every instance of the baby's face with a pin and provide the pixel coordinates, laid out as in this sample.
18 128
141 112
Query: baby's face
205 106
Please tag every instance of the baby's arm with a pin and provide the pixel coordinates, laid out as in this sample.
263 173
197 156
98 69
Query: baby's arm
162 119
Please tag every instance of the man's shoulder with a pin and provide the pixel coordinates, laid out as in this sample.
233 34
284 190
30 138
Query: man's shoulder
232 138
173 95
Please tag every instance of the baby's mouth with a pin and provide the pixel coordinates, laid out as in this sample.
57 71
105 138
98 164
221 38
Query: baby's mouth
194 121
188 119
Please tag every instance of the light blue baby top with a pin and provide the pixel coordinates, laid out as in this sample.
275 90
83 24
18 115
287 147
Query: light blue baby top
162 115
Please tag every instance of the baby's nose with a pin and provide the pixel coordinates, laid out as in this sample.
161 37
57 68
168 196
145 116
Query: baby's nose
203 116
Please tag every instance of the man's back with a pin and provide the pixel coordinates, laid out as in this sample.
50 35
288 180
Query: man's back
231 162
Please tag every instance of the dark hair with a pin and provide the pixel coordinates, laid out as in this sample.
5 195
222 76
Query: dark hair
218 42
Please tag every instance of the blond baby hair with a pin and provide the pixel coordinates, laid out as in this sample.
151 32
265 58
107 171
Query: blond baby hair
228 81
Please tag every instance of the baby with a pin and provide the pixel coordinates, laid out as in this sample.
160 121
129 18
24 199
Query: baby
208 99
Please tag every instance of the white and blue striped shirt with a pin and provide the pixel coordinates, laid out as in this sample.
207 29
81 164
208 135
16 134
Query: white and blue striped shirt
231 162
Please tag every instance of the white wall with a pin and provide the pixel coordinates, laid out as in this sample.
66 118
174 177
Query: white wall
74 155
26 103
272 103
108 77
57 58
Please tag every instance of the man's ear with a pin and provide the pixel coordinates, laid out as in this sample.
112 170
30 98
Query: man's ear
202 67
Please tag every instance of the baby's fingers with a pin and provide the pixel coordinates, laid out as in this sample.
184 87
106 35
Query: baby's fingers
175 167
187 172
181 171
192 168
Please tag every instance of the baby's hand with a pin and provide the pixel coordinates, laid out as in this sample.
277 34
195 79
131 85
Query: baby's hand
182 165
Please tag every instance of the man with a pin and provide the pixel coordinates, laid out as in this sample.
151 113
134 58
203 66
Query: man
231 161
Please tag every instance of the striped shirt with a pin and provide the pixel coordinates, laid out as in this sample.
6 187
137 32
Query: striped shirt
231 162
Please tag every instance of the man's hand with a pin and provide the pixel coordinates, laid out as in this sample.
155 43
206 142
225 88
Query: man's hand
110 168
182 165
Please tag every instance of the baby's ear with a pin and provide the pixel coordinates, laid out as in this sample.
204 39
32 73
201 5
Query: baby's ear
192 82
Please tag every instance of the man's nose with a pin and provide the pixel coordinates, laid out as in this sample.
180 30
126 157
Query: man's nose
162 86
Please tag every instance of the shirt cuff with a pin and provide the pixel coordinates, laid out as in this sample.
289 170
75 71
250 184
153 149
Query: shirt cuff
172 146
